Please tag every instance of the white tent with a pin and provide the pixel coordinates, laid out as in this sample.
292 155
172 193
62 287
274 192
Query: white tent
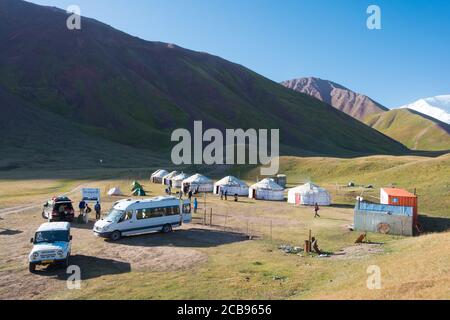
309 194
232 186
199 182
178 180
157 176
266 189
168 178
115 192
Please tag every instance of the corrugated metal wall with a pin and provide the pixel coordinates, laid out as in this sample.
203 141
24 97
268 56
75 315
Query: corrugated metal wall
369 216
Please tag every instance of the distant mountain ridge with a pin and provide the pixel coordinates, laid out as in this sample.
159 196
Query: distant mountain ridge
437 107
116 87
354 104
412 128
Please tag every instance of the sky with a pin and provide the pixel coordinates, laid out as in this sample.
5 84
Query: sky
408 59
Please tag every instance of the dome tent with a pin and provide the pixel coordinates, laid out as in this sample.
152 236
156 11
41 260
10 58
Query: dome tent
135 185
139 192
158 176
199 182
232 186
178 180
266 189
309 194
166 180
115 192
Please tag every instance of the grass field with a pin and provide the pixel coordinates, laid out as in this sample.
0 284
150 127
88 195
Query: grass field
201 262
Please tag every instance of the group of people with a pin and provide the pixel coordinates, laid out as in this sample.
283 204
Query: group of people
85 210
224 195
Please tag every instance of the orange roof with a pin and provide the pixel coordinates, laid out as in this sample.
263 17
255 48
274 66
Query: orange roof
398 192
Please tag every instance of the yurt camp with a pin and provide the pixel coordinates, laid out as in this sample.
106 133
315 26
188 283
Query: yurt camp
158 176
231 185
167 180
177 181
198 183
308 195
266 189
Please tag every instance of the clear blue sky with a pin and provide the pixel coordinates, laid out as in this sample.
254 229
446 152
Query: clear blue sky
406 60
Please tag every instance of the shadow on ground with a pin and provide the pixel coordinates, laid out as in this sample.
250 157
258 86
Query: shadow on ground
434 224
191 238
9 232
90 267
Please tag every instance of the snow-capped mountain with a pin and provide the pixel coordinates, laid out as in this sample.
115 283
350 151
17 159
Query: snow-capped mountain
437 107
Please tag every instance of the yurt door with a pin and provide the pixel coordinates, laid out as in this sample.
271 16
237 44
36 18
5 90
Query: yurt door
298 199
254 194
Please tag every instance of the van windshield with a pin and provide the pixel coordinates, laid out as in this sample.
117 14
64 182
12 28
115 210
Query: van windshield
114 215
51 236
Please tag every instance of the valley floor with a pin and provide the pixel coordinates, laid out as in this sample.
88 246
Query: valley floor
219 262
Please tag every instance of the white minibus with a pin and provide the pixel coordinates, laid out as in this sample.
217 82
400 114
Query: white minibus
135 217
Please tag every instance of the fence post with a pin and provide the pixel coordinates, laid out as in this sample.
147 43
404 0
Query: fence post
211 218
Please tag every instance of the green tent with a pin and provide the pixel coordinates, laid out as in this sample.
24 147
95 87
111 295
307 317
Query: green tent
135 185
139 192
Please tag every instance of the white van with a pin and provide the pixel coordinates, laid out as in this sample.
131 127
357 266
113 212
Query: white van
135 217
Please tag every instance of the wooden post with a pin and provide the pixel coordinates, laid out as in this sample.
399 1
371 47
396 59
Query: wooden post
211 218
225 224
204 217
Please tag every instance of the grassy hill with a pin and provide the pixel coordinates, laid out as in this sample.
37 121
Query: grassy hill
413 129
130 91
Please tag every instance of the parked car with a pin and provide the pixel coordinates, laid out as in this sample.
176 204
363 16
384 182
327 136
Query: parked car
136 217
51 245
59 209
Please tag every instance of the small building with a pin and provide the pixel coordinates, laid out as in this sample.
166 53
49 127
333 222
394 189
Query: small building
384 218
266 189
198 183
158 176
400 197
232 186
308 195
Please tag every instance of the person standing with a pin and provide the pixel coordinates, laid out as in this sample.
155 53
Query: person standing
316 210
86 213
82 207
190 195
98 211
226 195
221 193
195 205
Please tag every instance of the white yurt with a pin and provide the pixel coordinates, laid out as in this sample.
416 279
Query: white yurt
199 182
232 186
177 181
266 189
309 194
115 192
168 178
157 176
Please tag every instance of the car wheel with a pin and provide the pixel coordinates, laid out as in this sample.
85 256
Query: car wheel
32 267
115 236
167 228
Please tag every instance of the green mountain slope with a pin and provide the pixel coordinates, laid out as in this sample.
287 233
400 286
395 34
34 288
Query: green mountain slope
135 92
413 129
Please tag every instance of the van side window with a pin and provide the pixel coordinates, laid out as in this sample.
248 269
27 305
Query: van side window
128 215
157 212
140 214
172 211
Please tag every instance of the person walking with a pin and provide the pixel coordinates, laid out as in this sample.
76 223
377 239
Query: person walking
195 205
98 211
316 210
